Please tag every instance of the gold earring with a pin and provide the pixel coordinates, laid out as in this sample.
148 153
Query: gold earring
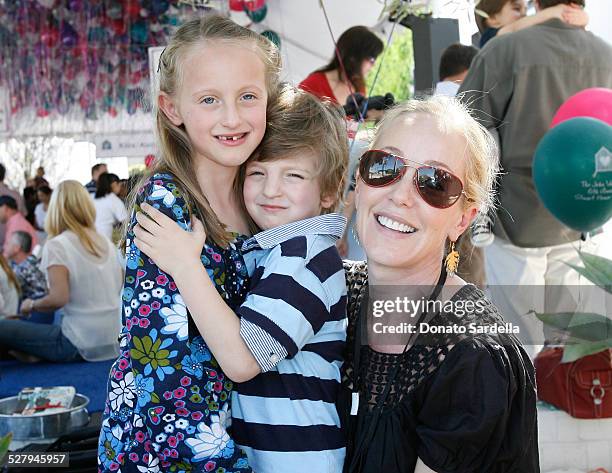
452 260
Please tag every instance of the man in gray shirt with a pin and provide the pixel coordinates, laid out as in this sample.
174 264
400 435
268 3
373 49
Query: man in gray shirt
515 85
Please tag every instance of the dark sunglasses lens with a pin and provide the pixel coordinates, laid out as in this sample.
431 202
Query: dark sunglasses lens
438 187
378 168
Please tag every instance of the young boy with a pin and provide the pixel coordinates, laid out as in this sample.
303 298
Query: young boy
454 65
286 348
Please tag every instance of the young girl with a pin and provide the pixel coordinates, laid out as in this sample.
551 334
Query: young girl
497 17
168 401
286 348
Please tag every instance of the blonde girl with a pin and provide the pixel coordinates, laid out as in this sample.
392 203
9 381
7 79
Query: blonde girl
84 277
168 401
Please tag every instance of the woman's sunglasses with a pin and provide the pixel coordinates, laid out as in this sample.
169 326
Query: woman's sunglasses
438 187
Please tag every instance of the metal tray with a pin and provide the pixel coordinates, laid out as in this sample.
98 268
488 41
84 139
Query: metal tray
42 426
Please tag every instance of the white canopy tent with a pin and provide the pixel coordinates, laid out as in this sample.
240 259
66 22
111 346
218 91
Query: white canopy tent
306 45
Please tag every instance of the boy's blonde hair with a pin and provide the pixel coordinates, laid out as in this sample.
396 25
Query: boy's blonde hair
176 153
481 154
71 208
297 122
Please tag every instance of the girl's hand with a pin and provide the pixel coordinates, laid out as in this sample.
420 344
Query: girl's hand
165 242
574 15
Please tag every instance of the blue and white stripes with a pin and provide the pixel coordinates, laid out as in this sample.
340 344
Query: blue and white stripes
294 322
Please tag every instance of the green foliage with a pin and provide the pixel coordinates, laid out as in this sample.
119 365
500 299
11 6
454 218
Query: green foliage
596 269
4 444
396 74
589 333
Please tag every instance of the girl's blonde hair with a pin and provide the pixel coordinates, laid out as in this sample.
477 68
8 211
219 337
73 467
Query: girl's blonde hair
176 153
481 154
71 208
10 274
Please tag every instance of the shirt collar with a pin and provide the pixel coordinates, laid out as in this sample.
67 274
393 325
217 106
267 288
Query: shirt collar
328 224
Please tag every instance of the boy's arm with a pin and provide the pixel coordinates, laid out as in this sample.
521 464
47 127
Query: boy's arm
573 15
297 294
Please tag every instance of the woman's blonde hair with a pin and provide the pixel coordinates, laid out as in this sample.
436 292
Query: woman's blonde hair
481 154
176 153
10 274
71 208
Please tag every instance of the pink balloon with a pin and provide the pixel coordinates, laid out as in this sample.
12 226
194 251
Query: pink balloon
594 103
236 5
253 5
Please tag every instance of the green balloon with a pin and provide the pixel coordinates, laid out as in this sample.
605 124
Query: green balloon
272 36
257 16
572 172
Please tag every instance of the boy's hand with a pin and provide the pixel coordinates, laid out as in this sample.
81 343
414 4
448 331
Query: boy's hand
165 242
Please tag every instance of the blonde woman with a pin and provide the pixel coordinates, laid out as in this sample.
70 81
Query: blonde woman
84 276
436 394
9 290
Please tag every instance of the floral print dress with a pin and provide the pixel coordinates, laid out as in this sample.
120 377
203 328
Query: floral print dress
167 406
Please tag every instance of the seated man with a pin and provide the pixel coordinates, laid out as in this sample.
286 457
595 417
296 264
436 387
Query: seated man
26 266
15 221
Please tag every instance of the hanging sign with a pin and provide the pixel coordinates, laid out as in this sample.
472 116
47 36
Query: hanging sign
140 144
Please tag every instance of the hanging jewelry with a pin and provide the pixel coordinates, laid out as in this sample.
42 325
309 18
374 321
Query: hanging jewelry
452 260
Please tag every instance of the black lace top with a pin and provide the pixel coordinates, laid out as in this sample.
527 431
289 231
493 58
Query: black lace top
460 403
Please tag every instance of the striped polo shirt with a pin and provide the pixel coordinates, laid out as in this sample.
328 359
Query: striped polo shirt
294 323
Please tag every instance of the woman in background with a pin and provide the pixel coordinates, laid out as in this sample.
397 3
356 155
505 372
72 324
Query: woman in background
44 197
84 277
43 194
356 52
499 17
110 210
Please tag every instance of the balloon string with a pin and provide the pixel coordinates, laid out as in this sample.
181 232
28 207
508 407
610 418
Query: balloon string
340 61
337 52
382 59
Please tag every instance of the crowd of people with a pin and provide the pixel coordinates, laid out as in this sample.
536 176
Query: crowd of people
60 270
244 341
